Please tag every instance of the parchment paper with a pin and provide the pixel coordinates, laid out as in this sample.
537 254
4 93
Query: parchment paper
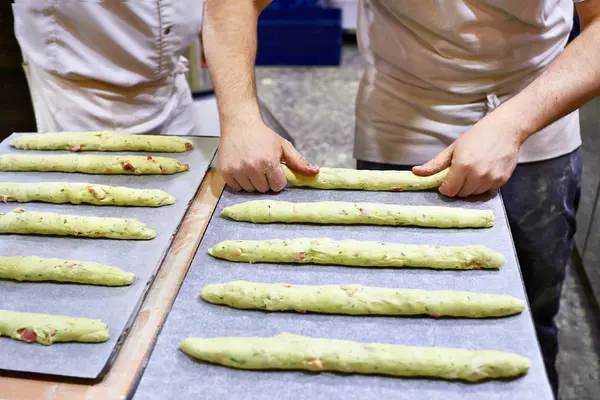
116 306
171 374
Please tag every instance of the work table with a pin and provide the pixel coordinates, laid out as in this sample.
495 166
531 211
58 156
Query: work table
145 364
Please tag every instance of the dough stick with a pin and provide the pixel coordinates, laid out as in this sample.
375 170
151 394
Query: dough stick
357 254
49 329
102 141
340 178
77 193
360 300
338 212
294 352
44 223
92 164
36 269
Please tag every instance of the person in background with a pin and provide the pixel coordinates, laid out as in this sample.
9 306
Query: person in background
109 65
482 88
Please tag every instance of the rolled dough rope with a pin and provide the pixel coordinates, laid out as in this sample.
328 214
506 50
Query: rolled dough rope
92 164
360 300
338 212
44 223
77 193
36 269
102 141
49 329
357 254
340 178
294 352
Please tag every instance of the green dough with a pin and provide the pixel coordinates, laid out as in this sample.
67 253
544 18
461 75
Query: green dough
360 300
92 164
102 141
295 352
36 269
43 223
340 178
49 329
338 212
77 193
357 254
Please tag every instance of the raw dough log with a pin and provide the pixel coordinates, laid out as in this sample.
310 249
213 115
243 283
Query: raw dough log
92 164
43 223
340 178
339 212
102 141
360 300
48 329
294 352
77 193
357 254
36 269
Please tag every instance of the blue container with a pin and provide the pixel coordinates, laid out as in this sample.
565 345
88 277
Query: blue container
293 4
301 36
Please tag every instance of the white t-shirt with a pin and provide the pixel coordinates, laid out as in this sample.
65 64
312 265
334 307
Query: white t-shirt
439 66
109 65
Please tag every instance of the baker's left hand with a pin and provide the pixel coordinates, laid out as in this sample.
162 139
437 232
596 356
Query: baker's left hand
481 159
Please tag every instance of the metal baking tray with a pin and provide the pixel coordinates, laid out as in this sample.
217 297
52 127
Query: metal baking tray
116 306
171 374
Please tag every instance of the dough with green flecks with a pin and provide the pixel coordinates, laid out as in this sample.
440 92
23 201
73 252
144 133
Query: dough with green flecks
339 212
356 253
48 329
102 141
294 352
341 178
360 300
77 193
36 269
44 223
92 164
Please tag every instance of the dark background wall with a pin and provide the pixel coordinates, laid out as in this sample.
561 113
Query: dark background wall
16 111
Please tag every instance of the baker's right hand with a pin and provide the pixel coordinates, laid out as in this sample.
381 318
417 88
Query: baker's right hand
250 159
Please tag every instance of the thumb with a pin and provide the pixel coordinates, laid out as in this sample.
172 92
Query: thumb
295 161
437 164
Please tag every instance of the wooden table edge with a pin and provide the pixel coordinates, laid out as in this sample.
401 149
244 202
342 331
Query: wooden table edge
137 346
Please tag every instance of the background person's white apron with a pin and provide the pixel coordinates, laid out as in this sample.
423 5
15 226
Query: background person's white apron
439 66
109 65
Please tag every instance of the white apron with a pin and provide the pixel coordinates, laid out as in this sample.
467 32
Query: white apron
439 66
109 65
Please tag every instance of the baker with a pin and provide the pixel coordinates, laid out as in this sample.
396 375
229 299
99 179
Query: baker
484 88
109 65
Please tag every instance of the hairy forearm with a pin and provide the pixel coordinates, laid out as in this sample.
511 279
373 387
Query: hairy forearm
229 38
569 82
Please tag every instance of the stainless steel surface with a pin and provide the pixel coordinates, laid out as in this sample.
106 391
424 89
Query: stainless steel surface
198 77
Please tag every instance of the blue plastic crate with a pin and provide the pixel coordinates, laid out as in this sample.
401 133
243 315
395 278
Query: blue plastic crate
293 4
301 36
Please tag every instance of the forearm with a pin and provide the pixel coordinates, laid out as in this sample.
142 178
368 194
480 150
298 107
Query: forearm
229 38
569 82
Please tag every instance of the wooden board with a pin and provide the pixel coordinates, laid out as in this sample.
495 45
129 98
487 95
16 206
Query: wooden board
137 347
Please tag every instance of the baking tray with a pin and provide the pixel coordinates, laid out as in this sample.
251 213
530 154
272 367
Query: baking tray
170 374
116 306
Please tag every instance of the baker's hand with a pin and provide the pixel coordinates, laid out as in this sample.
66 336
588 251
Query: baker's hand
481 159
252 160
